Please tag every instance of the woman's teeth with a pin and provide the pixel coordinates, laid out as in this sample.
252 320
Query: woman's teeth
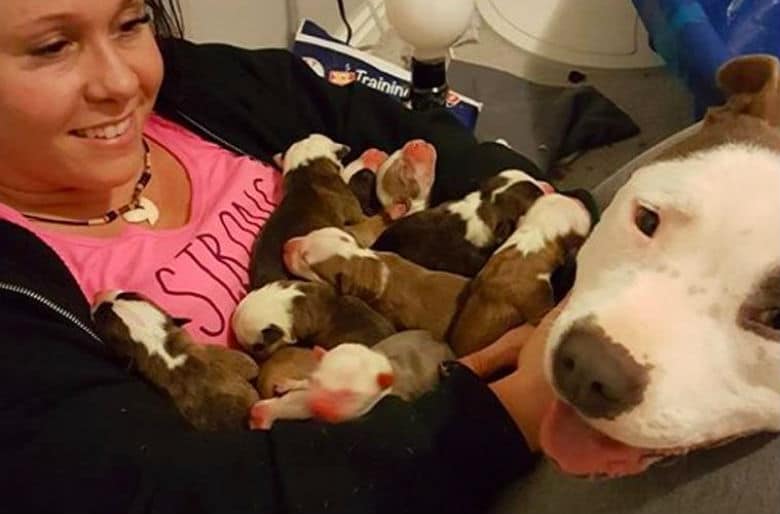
107 132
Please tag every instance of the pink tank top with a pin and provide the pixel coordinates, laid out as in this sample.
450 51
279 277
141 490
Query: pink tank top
198 271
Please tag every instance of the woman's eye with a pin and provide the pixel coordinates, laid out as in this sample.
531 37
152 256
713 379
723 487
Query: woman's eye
646 220
51 49
130 26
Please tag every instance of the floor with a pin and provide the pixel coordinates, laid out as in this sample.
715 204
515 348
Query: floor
655 100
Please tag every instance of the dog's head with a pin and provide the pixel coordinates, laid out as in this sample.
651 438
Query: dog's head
264 320
332 256
405 179
670 340
349 380
136 327
316 146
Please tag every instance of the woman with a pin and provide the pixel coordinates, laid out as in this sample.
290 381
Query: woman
115 174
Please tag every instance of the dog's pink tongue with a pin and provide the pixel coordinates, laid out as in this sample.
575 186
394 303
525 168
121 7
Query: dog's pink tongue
578 449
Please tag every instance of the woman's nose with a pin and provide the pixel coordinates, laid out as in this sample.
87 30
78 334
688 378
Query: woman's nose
111 76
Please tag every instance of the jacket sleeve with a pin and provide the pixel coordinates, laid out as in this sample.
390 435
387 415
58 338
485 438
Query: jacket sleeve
264 100
80 433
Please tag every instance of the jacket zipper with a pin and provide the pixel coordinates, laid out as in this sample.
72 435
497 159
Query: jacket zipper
52 306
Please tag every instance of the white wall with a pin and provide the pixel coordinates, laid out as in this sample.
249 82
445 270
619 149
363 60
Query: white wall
258 23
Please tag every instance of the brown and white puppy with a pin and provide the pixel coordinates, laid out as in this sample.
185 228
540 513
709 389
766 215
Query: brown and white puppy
210 385
514 286
405 179
348 381
403 186
315 196
351 379
670 339
407 294
305 314
460 236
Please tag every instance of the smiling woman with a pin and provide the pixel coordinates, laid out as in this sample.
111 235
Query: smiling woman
80 83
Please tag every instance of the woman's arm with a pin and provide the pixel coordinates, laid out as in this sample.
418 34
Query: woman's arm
82 434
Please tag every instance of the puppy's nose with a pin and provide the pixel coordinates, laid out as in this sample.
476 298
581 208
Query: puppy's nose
292 246
597 375
420 151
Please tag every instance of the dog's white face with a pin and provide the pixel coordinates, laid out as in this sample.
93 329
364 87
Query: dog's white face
671 337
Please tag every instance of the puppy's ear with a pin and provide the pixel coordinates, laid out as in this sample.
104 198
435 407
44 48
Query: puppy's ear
342 151
385 380
319 352
362 278
504 229
752 84
180 322
398 209
279 160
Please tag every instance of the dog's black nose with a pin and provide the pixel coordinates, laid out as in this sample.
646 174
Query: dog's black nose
597 375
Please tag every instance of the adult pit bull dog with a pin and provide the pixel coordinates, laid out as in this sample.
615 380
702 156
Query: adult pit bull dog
670 341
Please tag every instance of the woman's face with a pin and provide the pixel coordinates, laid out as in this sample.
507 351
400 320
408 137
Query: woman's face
78 78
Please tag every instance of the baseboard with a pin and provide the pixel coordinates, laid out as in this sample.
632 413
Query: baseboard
366 24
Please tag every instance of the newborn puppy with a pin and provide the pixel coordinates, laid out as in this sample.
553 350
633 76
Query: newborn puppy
289 312
403 185
287 369
405 179
315 196
415 356
348 381
210 385
351 378
459 236
408 295
360 176
514 286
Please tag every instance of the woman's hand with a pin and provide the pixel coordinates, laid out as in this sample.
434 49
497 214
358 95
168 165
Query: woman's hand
525 393
500 354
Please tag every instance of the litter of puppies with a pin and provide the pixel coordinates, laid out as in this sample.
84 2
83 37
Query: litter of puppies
358 289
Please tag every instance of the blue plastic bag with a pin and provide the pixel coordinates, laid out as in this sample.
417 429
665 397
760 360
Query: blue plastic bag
695 37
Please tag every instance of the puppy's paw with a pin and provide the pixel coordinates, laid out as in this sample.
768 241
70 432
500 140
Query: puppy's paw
261 415
398 210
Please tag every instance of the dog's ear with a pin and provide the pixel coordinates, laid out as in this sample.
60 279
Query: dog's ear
752 85
362 278
342 151
279 160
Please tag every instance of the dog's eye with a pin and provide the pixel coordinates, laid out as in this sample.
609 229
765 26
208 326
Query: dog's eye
646 220
770 318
